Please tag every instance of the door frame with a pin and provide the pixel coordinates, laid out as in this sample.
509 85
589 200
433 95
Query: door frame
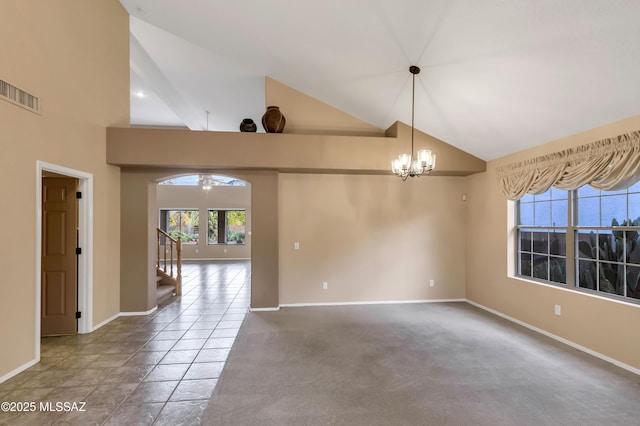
85 238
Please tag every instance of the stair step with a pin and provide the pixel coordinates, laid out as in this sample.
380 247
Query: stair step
164 291
158 278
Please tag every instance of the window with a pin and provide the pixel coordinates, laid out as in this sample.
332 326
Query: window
607 240
598 230
542 236
181 223
198 180
227 226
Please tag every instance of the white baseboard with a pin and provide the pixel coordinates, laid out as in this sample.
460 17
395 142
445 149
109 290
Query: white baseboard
105 322
137 314
196 259
277 308
18 370
378 302
124 314
558 338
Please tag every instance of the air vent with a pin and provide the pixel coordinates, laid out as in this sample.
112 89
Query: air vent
19 97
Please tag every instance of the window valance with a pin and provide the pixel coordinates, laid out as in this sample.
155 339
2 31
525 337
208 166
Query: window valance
608 164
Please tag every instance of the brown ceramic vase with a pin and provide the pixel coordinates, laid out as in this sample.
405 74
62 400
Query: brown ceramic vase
273 121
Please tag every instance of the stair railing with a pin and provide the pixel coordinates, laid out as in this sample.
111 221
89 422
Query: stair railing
168 250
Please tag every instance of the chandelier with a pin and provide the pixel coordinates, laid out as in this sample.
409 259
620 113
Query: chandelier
405 165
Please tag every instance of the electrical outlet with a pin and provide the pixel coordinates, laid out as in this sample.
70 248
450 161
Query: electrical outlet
325 285
225 250
432 283
296 246
557 310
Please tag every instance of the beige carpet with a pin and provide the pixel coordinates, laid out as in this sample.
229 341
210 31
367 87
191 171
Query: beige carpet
423 364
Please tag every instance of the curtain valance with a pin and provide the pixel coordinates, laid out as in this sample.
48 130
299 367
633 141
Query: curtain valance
608 164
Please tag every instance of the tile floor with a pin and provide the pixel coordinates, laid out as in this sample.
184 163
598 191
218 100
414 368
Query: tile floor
159 369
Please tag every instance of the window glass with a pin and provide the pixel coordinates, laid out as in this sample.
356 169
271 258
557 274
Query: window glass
525 241
633 282
542 211
526 214
545 196
527 198
199 180
236 226
588 191
558 194
634 207
559 213
635 188
540 267
183 224
541 242
227 226
589 211
213 227
558 243
614 207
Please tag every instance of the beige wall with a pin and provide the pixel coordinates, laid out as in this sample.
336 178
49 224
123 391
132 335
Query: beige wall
83 84
218 197
372 238
605 326
308 116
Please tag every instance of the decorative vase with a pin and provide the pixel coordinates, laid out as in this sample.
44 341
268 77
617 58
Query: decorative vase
273 121
248 125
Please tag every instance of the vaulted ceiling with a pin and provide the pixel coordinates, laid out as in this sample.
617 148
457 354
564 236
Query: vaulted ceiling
497 76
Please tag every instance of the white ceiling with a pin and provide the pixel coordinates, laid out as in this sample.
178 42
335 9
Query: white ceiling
498 76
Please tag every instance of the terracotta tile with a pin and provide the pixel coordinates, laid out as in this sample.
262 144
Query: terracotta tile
146 358
189 390
151 392
159 345
78 361
128 374
87 376
165 372
94 415
111 360
178 326
139 415
71 394
209 355
204 325
49 378
179 357
184 344
34 394
197 334
168 335
110 395
225 332
219 342
204 370
229 324
181 413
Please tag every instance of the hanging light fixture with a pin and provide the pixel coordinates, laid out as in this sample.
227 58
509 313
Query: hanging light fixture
405 165
206 182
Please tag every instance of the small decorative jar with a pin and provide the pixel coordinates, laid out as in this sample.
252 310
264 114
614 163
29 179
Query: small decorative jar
248 125
273 121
